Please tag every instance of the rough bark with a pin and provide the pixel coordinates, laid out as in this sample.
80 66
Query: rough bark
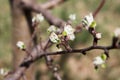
20 32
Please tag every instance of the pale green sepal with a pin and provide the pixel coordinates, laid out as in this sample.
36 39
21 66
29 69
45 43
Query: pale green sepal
103 65
64 33
93 24
104 57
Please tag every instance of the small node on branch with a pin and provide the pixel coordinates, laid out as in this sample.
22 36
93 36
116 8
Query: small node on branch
84 52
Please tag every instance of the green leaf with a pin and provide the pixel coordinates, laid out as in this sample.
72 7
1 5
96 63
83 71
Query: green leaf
103 56
64 33
93 24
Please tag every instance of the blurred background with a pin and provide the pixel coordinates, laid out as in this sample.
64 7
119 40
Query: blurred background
72 66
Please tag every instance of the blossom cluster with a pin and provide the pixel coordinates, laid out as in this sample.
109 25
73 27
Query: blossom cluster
67 32
100 61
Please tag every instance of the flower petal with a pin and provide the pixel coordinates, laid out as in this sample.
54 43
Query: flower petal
54 38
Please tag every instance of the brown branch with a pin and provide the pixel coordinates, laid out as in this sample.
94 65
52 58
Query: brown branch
48 16
37 53
51 4
16 75
99 8
83 50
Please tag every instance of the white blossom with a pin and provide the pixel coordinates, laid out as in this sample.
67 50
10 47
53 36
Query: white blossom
33 19
54 37
59 30
89 18
88 21
98 61
117 32
72 17
71 37
98 35
20 45
38 18
69 32
68 29
3 71
52 28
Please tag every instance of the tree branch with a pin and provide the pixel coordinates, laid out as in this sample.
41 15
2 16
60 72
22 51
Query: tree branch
51 4
99 8
48 16
37 53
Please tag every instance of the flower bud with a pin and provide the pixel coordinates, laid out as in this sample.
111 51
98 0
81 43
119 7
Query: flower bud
69 32
54 38
117 32
72 17
3 71
98 61
98 35
20 45
52 28
38 18
71 37
88 21
68 29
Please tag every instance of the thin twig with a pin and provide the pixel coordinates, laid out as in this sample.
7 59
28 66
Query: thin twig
49 61
51 4
99 8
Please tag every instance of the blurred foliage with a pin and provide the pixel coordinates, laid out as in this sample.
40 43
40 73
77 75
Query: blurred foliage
74 66
5 34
